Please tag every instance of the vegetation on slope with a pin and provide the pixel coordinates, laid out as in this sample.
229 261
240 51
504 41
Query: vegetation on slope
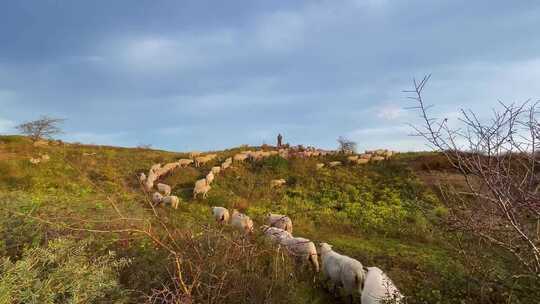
382 214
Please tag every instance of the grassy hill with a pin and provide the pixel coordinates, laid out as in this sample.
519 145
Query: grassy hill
387 215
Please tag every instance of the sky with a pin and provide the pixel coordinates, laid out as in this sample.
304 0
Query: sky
206 75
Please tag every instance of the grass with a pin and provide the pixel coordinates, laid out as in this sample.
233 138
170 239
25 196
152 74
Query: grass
382 214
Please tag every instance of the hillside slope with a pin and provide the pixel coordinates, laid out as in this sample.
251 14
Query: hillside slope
382 214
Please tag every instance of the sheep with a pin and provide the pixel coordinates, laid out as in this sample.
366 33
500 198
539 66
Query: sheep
149 183
377 158
319 166
173 200
45 157
362 161
216 170
221 214
163 188
388 154
276 235
241 221
142 177
184 162
279 221
35 161
334 164
155 167
302 249
240 157
350 271
225 165
365 156
209 178
201 160
201 186
378 288
277 182
352 158
157 198
194 154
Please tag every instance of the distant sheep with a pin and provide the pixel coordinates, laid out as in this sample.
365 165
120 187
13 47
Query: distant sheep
210 177
342 270
216 170
362 161
352 158
279 221
378 288
172 200
184 162
276 235
377 158
302 249
240 157
221 214
35 161
157 197
201 186
334 164
201 160
277 182
194 154
163 188
225 165
142 177
241 221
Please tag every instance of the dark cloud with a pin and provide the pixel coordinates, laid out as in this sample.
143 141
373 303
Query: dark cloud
204 74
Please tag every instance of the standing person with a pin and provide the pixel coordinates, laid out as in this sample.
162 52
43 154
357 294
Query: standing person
279 139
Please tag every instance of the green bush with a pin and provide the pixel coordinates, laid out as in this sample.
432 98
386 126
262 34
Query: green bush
63 272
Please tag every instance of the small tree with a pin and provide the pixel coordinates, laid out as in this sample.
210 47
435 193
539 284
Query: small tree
499 162
346 146
44 127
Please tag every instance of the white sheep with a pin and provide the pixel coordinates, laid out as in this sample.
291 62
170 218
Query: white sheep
194 154
142 177
351 273
240 157
210 177
275 234
378 288
241 221
157 198
201 160
362 161
352 158
226 164
201 187
277 182
173 200
302 249
184 162
377 158
164 188
319 166
279 221
150 179
221 214
334 164
155 167
216 170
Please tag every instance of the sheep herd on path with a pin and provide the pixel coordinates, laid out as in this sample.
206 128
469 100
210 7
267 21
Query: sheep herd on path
370 284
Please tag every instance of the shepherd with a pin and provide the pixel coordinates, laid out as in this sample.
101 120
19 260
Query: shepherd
279 139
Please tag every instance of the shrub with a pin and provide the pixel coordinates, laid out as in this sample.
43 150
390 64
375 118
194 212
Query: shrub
62 272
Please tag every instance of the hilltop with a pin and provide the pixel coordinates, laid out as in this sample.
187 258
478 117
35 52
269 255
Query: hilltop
387 214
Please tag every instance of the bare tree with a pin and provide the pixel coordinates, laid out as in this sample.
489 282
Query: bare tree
44 127
346 146
499 162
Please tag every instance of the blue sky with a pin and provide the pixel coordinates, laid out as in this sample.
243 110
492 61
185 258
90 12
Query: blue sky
200 75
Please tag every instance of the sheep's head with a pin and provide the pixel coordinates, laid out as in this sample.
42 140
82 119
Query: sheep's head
324 247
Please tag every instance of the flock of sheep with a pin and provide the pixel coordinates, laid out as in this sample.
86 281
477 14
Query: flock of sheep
371 284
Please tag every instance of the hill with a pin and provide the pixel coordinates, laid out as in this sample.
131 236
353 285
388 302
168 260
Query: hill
387 214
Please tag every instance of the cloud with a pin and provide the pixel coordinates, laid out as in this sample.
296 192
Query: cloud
390 112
